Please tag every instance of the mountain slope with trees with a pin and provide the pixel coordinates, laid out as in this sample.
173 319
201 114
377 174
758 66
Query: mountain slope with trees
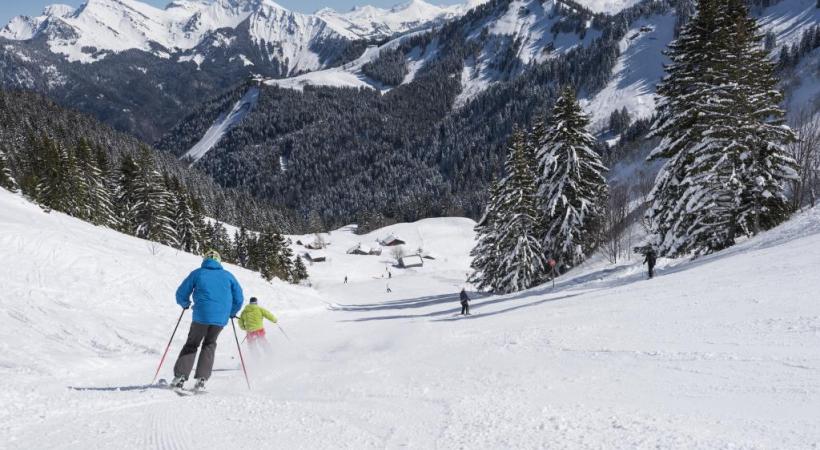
356 155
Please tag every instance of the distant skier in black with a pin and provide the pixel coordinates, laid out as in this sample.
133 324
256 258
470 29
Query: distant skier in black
650 259
465 303
345 279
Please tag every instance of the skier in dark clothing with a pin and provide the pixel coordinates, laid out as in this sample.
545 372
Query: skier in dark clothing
465 303
650 259
217 297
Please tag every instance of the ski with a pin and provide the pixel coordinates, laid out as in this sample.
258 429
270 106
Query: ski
182 392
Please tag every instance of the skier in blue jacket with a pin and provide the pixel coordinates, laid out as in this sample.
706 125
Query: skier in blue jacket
217 297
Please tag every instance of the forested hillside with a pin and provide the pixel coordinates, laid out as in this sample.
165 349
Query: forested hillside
30 126
359 155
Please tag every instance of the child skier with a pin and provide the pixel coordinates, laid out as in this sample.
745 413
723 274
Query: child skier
251 321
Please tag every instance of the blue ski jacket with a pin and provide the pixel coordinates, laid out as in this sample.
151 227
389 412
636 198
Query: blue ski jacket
217 294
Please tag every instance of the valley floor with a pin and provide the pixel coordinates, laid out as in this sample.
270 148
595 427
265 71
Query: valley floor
722 352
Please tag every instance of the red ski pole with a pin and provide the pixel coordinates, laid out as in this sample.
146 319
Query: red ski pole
168 347
239 349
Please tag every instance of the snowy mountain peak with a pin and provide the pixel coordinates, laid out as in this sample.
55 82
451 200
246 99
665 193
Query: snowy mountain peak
58 10
416 5
111 26
373 22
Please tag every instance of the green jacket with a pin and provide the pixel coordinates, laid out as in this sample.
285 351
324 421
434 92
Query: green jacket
251 317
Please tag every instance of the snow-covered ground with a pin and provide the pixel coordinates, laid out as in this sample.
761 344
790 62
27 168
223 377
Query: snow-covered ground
721 352
637 71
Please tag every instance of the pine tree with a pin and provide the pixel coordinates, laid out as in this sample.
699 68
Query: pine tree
126 195
722 132
242 247
184 221
104 191
152 209
267 255
6 180
54 187
571 184
521 263
761 136
216 238
285 257
95 204
300 272
485 256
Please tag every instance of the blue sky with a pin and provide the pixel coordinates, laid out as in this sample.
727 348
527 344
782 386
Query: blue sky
11 8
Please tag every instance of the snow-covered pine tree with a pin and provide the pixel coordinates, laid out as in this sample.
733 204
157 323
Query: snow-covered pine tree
267 255
106 190
521 263
676 119
126 195
6 180
216 238
154 221
571 185
721 131
300 272
285 256
184 221
53 188
241 247
95 205
485 257
761 135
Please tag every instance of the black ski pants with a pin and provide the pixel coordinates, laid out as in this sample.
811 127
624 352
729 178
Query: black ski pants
465 308
198 334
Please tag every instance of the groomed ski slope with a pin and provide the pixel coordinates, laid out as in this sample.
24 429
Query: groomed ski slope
723 352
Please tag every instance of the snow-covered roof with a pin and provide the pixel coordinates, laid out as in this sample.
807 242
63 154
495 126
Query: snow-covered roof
360 248
391 238
315 255
411 260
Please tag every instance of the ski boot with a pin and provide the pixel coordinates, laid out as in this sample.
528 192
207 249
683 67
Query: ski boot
199 387
178 382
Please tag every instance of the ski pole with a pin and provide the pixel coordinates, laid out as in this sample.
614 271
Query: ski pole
169 345
239 349
283 332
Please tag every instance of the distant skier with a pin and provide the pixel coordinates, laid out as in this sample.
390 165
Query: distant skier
345 279
251 320
465 302
389 274
217 297
388 288
650 259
